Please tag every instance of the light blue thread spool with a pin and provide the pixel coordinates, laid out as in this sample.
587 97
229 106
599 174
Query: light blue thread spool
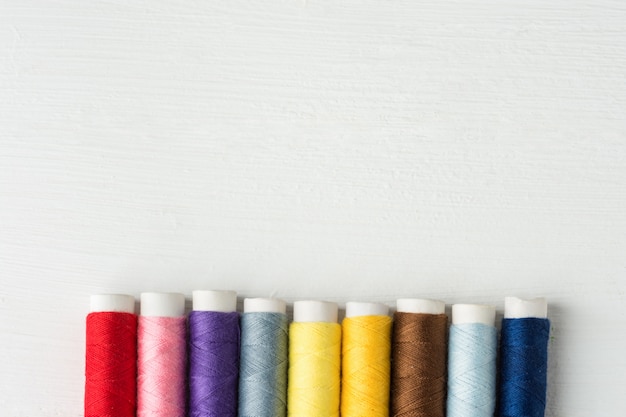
472 353
264 359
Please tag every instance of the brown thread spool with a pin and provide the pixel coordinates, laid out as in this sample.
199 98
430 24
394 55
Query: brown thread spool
419 353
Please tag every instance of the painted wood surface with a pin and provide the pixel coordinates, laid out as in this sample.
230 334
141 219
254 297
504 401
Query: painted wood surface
370 150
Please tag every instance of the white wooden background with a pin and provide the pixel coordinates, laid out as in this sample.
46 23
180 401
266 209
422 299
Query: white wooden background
341 150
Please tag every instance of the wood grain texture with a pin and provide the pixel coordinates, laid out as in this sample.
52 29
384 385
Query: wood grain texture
462 150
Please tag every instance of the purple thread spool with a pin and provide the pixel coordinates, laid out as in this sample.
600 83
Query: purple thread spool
213 354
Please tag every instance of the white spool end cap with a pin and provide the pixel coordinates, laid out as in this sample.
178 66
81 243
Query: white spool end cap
473 313
315 311
421 306
264 305
220 301
162 304
118 303
517 308
355 309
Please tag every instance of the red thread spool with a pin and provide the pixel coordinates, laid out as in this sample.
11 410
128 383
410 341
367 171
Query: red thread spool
111 357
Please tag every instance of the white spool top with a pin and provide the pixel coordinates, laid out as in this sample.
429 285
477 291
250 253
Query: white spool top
517 308
355 309
162 304
473 313
220 301
118 303
264 305
419 305
315 311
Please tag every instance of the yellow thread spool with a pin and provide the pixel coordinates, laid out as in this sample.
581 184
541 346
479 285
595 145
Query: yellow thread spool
314 363
366 361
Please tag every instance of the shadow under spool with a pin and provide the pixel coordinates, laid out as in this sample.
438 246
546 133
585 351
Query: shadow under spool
418 367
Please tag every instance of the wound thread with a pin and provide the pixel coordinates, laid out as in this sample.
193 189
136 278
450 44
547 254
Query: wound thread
213 363
111 364
264 361
161 367
366 356
314 369
418 383
472 370
523 368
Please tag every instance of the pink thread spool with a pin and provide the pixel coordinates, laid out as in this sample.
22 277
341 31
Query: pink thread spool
161 356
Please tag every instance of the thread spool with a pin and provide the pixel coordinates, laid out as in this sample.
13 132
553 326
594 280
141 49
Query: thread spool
524 358
314 360
264 358
111 356
366 360
418 383
213 354
161 356
472 361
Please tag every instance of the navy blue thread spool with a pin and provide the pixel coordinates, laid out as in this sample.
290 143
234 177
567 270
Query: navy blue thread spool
524 358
